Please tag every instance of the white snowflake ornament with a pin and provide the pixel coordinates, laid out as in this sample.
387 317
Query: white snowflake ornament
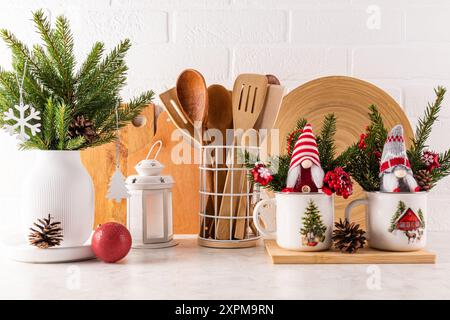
22 122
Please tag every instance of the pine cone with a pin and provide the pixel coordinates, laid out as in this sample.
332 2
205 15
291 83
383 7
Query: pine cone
82 126
46 234
424 180
348 237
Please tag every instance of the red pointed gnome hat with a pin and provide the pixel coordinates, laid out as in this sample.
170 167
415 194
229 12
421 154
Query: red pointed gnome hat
305 148
394 151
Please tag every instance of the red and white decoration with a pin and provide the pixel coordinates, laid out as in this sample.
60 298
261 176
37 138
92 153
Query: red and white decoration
262 174
431 160
395 171
305 173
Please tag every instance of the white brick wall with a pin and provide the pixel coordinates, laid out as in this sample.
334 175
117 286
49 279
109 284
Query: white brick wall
403 46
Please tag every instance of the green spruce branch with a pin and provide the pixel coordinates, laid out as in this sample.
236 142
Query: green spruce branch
363 163
61 93
423 130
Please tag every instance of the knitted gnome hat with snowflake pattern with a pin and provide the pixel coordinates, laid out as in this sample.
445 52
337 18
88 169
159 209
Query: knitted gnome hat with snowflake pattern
394 151
305 148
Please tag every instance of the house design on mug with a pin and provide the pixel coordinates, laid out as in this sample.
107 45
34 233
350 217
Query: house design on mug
407 221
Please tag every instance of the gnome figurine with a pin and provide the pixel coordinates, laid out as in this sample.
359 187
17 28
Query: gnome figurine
395 171
305 173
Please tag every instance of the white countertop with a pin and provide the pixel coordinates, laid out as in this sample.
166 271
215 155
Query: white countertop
188 271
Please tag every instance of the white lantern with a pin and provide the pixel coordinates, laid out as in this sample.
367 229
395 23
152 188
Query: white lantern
149 207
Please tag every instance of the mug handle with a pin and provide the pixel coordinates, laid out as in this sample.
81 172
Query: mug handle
256 214
353 204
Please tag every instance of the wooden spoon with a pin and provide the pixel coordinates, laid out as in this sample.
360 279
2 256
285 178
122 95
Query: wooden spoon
220 117
193 95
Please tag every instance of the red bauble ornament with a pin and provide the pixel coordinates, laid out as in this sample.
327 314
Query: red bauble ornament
111 242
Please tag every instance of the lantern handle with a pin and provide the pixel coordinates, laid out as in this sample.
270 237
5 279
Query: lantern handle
151 149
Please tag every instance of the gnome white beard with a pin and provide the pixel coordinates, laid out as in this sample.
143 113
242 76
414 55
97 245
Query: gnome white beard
293 174
317 175
389 182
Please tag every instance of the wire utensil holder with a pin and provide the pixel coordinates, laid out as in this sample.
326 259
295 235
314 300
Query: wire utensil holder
229 230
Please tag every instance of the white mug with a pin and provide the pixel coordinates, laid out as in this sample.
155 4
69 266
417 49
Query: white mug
394 221
304 221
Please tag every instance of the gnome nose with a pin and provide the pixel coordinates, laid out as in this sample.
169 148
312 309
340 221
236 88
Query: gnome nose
400 173
307 164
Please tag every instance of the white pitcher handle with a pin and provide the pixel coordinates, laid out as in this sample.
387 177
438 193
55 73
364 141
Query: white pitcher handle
353 204
256 214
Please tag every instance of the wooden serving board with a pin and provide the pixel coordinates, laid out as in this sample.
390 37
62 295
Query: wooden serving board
363 256
100 163
349 99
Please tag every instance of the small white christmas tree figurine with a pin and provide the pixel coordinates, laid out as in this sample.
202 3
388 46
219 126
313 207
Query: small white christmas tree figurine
305 173
395 170
117 189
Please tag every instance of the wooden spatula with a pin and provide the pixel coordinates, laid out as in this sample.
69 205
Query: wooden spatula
265 121
177 114
249 94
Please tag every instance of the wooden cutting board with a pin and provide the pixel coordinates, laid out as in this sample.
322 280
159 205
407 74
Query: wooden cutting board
348 98
186 175
100 163
363 256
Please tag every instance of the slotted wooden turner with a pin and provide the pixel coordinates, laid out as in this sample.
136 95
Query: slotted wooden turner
248 97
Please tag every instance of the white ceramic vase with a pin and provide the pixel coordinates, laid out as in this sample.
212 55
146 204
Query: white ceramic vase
59 185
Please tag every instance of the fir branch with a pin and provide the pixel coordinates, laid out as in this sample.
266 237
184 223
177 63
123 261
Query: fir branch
48 74
75 143
325 142
18 48
62 122
363 163
55 42
93 59
444 168
92 91
64 40
111 69
48 121
35 142
423 129
135 106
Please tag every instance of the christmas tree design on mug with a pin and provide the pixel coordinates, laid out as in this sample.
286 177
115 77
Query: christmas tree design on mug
313 230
